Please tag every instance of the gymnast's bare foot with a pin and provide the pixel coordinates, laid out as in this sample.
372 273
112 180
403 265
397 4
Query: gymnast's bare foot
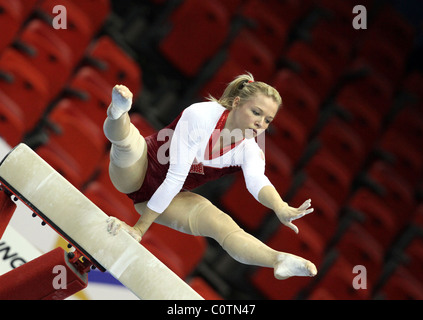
121 102
289 265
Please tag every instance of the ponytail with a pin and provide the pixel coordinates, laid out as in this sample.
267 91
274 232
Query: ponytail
245 87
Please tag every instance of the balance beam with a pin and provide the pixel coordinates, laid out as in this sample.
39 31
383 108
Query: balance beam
83 224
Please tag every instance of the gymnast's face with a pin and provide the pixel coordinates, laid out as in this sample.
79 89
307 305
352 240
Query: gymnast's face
253 116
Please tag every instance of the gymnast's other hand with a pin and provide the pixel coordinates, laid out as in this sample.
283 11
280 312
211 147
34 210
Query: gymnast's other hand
287 214
114 225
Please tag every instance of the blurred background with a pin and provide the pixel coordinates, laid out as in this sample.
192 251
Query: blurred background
349 135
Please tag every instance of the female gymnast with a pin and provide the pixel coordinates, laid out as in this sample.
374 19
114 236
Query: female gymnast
209 139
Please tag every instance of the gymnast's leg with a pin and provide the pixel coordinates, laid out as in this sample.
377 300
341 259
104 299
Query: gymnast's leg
193 214
128 155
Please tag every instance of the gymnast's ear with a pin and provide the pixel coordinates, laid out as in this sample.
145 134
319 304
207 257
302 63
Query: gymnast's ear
236 102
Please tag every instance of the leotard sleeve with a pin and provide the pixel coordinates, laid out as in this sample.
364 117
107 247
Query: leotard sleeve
253 168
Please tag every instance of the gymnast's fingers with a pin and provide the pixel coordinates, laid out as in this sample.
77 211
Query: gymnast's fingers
305 205
292 226
113 225
302 214
303 210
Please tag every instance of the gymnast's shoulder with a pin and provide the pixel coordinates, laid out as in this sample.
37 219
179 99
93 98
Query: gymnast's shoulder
206 110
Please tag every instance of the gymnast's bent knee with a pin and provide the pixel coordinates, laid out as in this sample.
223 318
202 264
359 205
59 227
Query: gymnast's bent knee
209 221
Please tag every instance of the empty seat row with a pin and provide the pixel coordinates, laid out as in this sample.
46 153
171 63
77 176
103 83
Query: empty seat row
38 65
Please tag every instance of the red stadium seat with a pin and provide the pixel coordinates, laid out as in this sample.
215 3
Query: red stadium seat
373 90
290 11
232 6
198 30
247 50
396 191
246 53
344 144
402 285
408 159
25 85
79 30
297 98
414 260
418 216
339 15
408 123
337 282
27 7
313 69
115 65
96 10
49 54
324 218
363 120
413 84
382 58
77 142
330 174
378 218
83 110
320 294
12 126
62 163
11 18
331 46
358 247
288 134
388 24
94 95
159 2
267 26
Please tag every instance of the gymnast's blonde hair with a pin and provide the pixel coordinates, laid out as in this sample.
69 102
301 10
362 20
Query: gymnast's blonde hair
244 87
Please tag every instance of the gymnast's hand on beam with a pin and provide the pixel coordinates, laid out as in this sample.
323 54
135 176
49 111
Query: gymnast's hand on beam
288 214
114 225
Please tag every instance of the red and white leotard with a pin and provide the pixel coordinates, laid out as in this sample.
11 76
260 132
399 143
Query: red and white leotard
184 160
